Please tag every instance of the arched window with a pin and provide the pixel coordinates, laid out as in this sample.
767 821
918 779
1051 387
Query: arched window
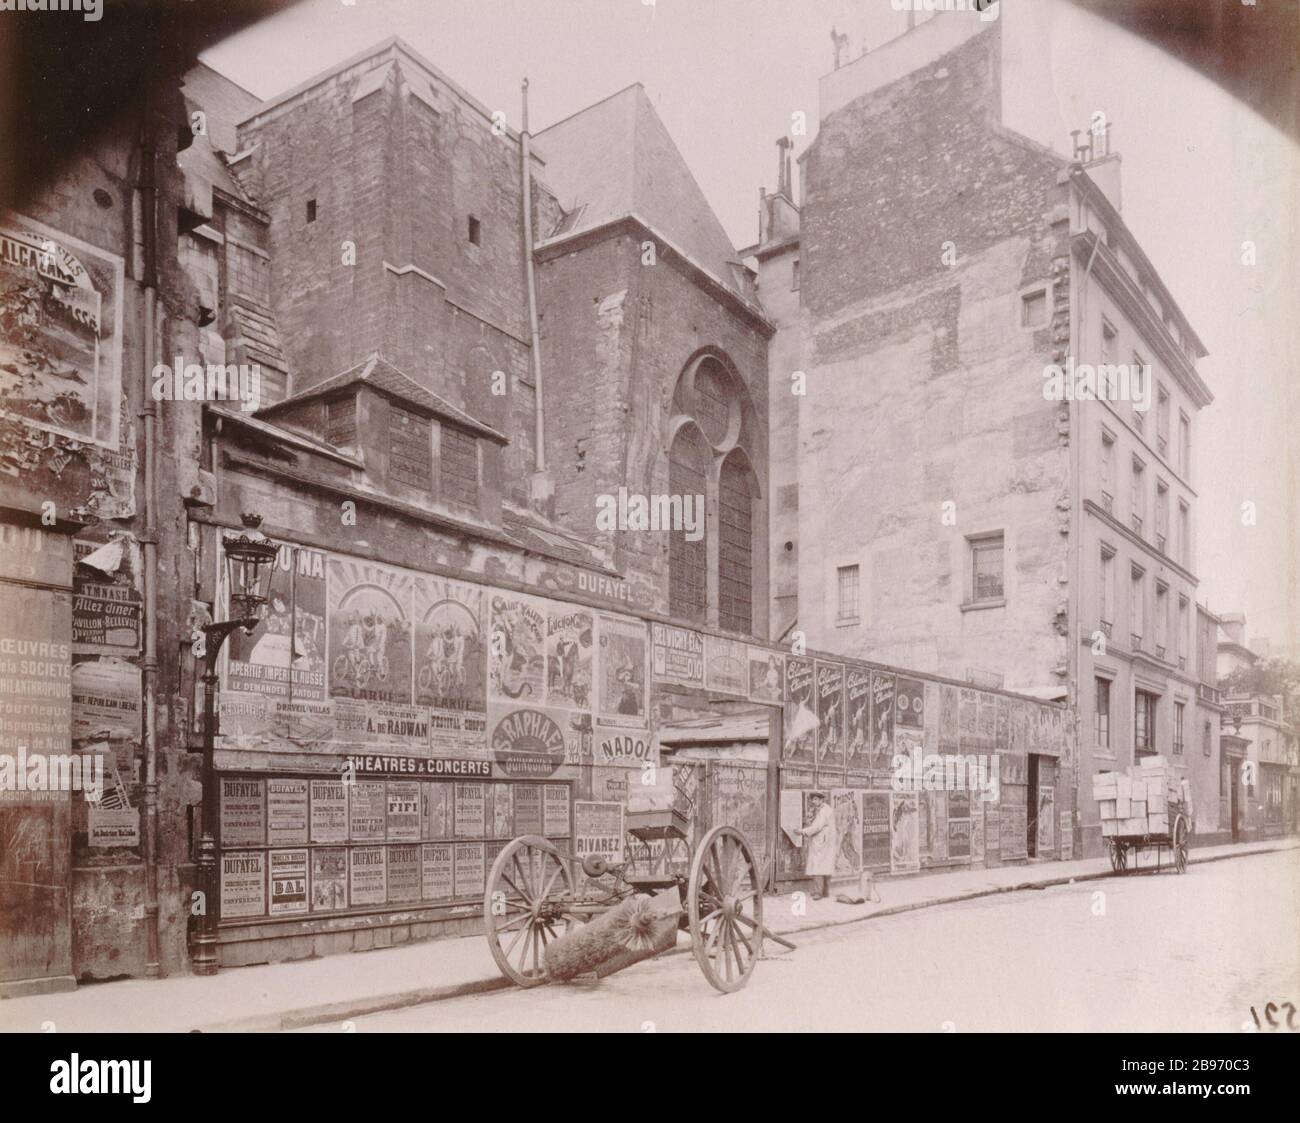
735 545
688 474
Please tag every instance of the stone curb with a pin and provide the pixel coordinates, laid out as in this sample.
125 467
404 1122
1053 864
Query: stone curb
306 1016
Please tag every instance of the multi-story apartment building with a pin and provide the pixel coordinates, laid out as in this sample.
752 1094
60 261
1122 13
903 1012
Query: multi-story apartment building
987 522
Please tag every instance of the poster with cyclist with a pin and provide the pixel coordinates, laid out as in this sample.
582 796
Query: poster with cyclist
451 662
369 631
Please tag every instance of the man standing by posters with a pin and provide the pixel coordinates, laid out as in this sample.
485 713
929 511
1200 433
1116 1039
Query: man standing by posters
822 842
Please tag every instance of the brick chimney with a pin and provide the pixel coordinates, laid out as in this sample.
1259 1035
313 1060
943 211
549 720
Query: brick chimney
1092 151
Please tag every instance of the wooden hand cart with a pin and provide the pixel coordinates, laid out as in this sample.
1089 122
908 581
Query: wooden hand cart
1175 841
531 897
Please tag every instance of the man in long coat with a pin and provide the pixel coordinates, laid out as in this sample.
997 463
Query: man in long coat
820 844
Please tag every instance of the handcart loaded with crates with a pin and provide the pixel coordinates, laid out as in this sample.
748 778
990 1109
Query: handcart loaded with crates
1146 808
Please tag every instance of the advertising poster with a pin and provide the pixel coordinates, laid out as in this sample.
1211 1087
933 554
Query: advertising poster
1002 732
800 712
959 805
766 676
243 812
1046 820
677 655
570 646
791 817
882 720
977 831
931 717
329 811
847 805
368 811
106 702
630 749
503 811
875 830
288 881
830 716
536 743
555 810
285 655
857 718
450 662
528 809
243 883
959 840
105 597
613 784
621 671
60 332
909 703
403 874
1013 769
471 802
286 812
739 797
1013 825
403 811
986 737
598 830
968 721
517 650
1067 836
367 875
436 811
110 827
949 723
329 879
726 666
904 831
436 871
470 875
1018 739
934 827
992 830
369 631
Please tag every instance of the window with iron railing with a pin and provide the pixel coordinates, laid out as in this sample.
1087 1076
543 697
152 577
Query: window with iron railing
1144 725
1179 710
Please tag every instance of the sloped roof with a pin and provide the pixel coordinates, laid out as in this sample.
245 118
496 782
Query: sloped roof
615 159
255 330
222 104
379 373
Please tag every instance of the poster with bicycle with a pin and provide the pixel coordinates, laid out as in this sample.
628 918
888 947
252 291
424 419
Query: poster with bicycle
451 663
516 649
570 644
369 631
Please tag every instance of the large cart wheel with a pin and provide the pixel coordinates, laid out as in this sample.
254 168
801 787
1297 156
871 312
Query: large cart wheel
1180 844
1118 856
524 907
725 904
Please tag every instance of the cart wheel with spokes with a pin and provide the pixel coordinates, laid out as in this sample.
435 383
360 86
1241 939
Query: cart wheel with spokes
1180 844
525 907
1118 856
725 903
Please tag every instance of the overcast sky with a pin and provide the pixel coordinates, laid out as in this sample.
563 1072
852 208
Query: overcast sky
1201 176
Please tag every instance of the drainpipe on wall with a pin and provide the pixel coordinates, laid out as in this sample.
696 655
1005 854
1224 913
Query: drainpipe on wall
149 540
526 175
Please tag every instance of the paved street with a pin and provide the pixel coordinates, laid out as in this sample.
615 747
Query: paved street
1168 954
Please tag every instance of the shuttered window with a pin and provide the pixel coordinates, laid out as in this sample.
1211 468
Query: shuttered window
458 465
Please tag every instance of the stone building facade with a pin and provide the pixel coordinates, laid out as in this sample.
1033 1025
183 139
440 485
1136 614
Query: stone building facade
960 512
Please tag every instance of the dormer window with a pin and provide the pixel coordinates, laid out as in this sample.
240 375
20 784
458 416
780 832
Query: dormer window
341 422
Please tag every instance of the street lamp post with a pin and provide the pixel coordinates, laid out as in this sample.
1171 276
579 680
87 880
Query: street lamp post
249 560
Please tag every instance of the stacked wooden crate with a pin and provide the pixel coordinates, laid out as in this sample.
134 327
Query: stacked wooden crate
1136 802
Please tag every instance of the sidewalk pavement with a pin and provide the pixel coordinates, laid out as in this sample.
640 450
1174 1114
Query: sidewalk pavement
282 996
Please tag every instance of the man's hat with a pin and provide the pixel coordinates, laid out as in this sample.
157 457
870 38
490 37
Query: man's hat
817 795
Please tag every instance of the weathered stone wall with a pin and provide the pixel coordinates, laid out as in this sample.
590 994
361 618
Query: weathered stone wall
616 335
923 223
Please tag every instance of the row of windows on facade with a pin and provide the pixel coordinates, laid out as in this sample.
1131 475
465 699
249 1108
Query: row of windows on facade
1137 614
986 581
473 228
1138 503
1145 709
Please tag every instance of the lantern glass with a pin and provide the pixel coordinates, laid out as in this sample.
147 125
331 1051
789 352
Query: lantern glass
250 561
